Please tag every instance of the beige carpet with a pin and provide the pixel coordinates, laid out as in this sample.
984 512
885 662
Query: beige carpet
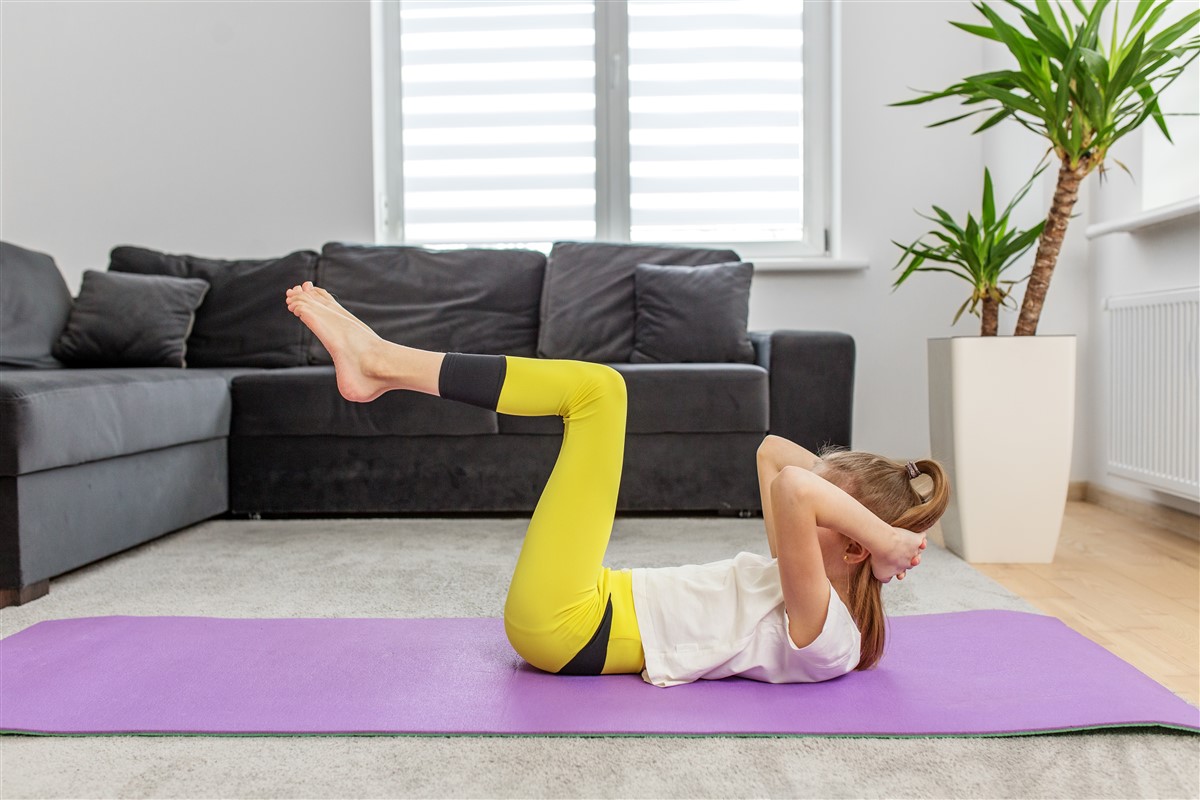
460 567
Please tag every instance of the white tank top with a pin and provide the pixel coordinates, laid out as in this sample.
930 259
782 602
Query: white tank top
712 621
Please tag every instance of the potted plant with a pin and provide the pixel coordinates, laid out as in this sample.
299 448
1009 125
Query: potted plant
1007 440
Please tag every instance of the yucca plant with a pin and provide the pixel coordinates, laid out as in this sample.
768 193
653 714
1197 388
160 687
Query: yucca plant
979 252
1068 88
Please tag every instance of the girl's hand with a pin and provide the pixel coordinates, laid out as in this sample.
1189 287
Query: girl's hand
901 554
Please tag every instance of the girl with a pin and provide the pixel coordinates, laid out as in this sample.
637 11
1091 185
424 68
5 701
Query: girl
838 527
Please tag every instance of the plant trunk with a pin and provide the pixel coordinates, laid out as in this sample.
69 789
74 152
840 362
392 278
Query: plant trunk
991 317
1049 244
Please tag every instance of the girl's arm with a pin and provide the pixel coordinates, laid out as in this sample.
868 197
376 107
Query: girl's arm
801 502
774 454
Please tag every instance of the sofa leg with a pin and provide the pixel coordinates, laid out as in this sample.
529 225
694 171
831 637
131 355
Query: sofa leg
19 597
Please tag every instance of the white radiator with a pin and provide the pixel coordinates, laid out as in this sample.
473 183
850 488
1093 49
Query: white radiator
1154 406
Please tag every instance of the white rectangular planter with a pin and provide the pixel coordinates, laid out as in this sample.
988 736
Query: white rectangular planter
1002 420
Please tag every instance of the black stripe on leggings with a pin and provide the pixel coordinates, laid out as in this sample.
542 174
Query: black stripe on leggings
472 378
590 660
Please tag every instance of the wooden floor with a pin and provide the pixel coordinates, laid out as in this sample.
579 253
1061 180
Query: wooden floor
1129 586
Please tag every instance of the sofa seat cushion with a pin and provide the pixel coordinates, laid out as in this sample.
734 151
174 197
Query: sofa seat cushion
57 418
679 398
304 401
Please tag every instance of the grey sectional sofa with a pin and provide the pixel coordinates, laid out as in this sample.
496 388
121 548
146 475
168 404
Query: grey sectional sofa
95 460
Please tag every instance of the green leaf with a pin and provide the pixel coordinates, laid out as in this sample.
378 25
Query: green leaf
1173 32
1047 15
961 309
1011 101
1053 41
1153 18
989 206
956 119
993 120
1142 7
978 30
1131 60
949 221
1066 19
1021 47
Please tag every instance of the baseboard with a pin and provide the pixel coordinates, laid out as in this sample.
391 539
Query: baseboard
1077 491
1174 520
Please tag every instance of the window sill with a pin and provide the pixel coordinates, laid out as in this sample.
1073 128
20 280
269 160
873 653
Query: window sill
808 264
1155 216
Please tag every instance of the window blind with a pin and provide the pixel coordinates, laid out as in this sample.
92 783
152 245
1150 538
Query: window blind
715 120
498 116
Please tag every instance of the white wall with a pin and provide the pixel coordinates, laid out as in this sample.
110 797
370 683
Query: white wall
222 129
1162 257
892 167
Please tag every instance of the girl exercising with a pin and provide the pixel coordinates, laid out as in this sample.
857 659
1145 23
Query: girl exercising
839 526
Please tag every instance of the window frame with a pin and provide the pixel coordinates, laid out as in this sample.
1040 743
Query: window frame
822 157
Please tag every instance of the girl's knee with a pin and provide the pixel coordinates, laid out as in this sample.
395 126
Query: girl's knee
609 383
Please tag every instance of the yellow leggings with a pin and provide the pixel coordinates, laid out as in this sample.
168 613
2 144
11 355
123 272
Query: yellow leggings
560 589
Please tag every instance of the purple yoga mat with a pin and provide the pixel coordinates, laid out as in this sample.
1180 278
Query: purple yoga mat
967 673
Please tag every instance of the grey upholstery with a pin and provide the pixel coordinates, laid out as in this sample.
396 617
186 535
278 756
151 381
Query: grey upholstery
588 310
672 300
121 320
468 301
812 385
243 321
34 305
56 520
55 418
304 401
305 475
680 398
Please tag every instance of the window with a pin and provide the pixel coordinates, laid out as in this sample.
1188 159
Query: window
682 121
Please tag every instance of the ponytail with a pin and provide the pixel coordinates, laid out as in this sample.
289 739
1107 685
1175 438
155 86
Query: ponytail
885 487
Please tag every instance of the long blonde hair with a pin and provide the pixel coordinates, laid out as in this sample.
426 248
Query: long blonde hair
883 486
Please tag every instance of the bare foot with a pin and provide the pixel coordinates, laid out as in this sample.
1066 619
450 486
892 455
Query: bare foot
356 349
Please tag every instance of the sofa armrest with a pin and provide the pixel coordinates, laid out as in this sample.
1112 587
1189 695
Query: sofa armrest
812 384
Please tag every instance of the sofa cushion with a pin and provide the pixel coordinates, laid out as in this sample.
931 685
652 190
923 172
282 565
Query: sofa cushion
127 320
34 305
679 398
470 301
692 314
588 309
56 418
244 320
304 401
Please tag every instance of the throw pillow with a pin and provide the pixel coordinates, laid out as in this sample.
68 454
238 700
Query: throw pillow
587 303
692 314
34 305
244 321
130 321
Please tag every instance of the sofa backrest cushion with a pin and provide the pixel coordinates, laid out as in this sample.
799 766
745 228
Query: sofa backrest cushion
588 307
244 320
34 305
692 314
469 301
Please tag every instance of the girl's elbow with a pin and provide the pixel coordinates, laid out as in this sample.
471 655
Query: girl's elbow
791 482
